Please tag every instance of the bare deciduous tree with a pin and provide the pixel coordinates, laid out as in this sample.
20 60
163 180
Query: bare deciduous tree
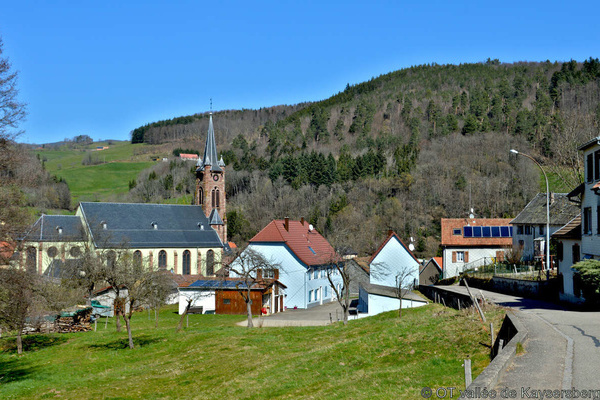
246 267
17 298
404 284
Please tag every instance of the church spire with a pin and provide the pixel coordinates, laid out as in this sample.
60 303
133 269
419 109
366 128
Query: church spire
210 150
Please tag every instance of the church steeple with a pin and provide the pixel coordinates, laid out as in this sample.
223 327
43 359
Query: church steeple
210 150
210 184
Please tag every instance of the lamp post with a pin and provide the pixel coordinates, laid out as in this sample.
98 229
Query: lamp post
547 207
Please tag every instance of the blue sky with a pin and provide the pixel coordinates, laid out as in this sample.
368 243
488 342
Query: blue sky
105 68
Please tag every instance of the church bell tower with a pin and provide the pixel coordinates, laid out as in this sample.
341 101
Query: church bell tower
210 185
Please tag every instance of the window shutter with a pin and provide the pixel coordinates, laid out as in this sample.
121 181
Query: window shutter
453 256
466 256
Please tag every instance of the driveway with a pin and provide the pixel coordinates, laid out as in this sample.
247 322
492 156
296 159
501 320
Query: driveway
315 316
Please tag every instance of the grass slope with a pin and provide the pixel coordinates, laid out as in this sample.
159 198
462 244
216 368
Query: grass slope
96 182
380 357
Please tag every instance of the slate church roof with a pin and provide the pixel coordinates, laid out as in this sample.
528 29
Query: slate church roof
210 151
561 210
114 225
56 228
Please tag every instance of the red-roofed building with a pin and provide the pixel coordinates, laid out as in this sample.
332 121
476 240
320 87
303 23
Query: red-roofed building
470 243
303 256
189 157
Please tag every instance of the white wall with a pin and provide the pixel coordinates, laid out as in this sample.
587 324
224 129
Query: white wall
564 267
590 244
392 260
201 298
379 304
476 256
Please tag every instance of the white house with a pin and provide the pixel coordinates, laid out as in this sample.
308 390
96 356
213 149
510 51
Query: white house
568 252
393 268
586 244
303 257
469 243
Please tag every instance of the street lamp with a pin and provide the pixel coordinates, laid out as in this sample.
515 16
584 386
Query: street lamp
547 206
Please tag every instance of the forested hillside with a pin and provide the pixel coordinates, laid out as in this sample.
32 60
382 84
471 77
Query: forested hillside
399 151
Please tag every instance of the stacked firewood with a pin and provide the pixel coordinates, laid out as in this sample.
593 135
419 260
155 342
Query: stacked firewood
80 321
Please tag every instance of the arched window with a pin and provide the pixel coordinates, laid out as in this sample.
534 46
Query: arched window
137 259
200 196
210 263
186 260
31 261
213 198
217 202
162 259
111 258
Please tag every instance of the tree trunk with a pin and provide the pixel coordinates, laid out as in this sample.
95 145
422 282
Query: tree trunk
127 320
346 303
187 308
117 304
156 317
400 309
19 342
249 310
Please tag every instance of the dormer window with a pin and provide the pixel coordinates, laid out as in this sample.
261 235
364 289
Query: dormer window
59 229
154 225
103 224
456 231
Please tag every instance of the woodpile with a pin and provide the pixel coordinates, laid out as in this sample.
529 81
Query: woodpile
78 320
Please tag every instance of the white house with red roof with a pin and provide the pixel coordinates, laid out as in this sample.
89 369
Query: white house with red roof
303 256
392 267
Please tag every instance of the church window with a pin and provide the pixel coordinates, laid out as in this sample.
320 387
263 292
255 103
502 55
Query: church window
217 202
52 252
162 260
31 259
137 259
200 196
213 198
186 263
75 251
210 263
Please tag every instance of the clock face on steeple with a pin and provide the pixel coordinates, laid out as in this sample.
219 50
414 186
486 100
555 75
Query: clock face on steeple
215 177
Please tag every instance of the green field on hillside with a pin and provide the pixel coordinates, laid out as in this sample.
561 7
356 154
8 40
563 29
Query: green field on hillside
381 357
120 163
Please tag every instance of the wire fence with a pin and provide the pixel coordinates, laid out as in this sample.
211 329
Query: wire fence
531 271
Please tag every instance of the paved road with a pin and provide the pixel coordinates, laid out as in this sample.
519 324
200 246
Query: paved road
563 348
315 316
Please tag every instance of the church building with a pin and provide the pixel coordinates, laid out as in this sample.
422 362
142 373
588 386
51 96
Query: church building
184 239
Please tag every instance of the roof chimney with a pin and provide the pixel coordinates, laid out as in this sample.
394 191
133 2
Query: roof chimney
302 221
551 197
390 232
286 224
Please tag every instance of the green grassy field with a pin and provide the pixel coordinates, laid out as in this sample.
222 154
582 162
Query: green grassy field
121 162
381 357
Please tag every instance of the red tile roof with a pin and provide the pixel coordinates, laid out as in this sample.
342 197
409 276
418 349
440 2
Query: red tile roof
308 245
392 234
449 239
439 261
6 251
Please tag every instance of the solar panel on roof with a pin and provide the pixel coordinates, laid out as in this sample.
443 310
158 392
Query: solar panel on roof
495 231
476 231
486 231
468 231
505 231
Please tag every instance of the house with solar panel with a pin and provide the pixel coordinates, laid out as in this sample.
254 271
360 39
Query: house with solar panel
183 239
468 243
303 257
